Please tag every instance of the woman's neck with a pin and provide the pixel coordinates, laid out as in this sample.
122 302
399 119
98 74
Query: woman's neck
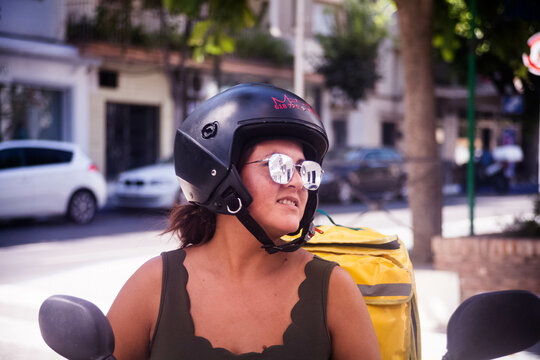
235 251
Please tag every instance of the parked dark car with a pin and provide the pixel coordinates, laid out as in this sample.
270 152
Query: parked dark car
362 174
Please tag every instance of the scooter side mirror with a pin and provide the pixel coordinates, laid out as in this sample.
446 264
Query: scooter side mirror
75 328
495 324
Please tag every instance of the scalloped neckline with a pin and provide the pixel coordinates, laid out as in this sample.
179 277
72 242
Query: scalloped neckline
286 333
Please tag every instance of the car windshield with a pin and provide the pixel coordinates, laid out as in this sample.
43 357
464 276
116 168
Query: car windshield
336 154
381 154
354 155
361 154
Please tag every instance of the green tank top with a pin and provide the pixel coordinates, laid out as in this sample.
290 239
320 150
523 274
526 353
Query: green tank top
305 338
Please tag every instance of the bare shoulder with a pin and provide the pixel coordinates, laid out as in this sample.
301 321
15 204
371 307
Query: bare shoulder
349 323
145 282
147 276
343 291
150 270
341 278
134 312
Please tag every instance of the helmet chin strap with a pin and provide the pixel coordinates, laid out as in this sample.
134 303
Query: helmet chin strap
235 207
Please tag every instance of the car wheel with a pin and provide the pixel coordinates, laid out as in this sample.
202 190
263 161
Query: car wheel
345 193
82 207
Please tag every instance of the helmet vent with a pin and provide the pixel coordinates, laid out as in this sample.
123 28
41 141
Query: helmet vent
209 130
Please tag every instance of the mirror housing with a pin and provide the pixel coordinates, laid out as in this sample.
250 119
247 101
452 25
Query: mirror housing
494 324
75 328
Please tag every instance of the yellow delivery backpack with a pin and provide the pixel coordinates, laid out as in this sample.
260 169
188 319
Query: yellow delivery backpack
381 267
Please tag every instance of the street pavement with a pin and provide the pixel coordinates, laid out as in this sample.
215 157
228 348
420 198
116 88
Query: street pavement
95 267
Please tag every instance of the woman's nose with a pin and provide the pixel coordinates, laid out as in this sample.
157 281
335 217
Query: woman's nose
296 180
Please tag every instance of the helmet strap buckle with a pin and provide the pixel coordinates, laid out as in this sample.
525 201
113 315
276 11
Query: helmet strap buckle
239 205
267 244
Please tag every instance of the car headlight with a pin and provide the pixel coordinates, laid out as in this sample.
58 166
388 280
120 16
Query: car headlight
160 182
156 182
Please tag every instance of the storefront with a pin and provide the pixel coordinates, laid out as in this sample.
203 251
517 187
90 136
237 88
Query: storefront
43 92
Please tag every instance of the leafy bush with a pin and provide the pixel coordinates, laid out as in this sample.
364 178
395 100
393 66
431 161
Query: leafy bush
114 25
527 227
258 44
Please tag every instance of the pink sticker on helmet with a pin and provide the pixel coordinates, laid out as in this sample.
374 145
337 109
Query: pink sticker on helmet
288 103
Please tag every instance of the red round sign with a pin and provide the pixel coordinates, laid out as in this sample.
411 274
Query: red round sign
532 61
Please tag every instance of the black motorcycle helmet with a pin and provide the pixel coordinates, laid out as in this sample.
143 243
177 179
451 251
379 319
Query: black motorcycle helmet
210 141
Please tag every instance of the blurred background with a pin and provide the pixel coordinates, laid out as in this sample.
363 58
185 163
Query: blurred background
117 77
91 94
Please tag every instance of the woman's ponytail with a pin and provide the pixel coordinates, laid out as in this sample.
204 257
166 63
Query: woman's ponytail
192 224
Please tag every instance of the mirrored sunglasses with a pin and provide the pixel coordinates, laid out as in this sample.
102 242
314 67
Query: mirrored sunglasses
281 168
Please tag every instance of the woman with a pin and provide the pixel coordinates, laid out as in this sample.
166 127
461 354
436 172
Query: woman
248 162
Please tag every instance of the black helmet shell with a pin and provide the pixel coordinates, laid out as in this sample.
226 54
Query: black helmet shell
209 142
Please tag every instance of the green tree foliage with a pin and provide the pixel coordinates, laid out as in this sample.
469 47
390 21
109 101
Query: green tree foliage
528 226
113 23
210 30
258 44
502 30
216 21
351 51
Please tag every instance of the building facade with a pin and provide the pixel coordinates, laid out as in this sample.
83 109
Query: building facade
43 80
117 100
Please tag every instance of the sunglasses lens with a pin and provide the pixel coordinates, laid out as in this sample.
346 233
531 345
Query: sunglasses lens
281 168
311 173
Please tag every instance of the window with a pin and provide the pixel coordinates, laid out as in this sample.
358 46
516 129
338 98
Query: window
108 78
389 133
323 19
132 137
373 155
392 155
30 112
354 155
11 158
41 156
339 127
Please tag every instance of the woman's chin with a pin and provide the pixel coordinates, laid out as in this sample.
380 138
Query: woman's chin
284 228
288 230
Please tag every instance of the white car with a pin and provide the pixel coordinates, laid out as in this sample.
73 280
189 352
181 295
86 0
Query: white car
48 178
153 187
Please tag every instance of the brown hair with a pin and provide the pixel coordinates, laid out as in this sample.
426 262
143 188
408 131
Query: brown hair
192 224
